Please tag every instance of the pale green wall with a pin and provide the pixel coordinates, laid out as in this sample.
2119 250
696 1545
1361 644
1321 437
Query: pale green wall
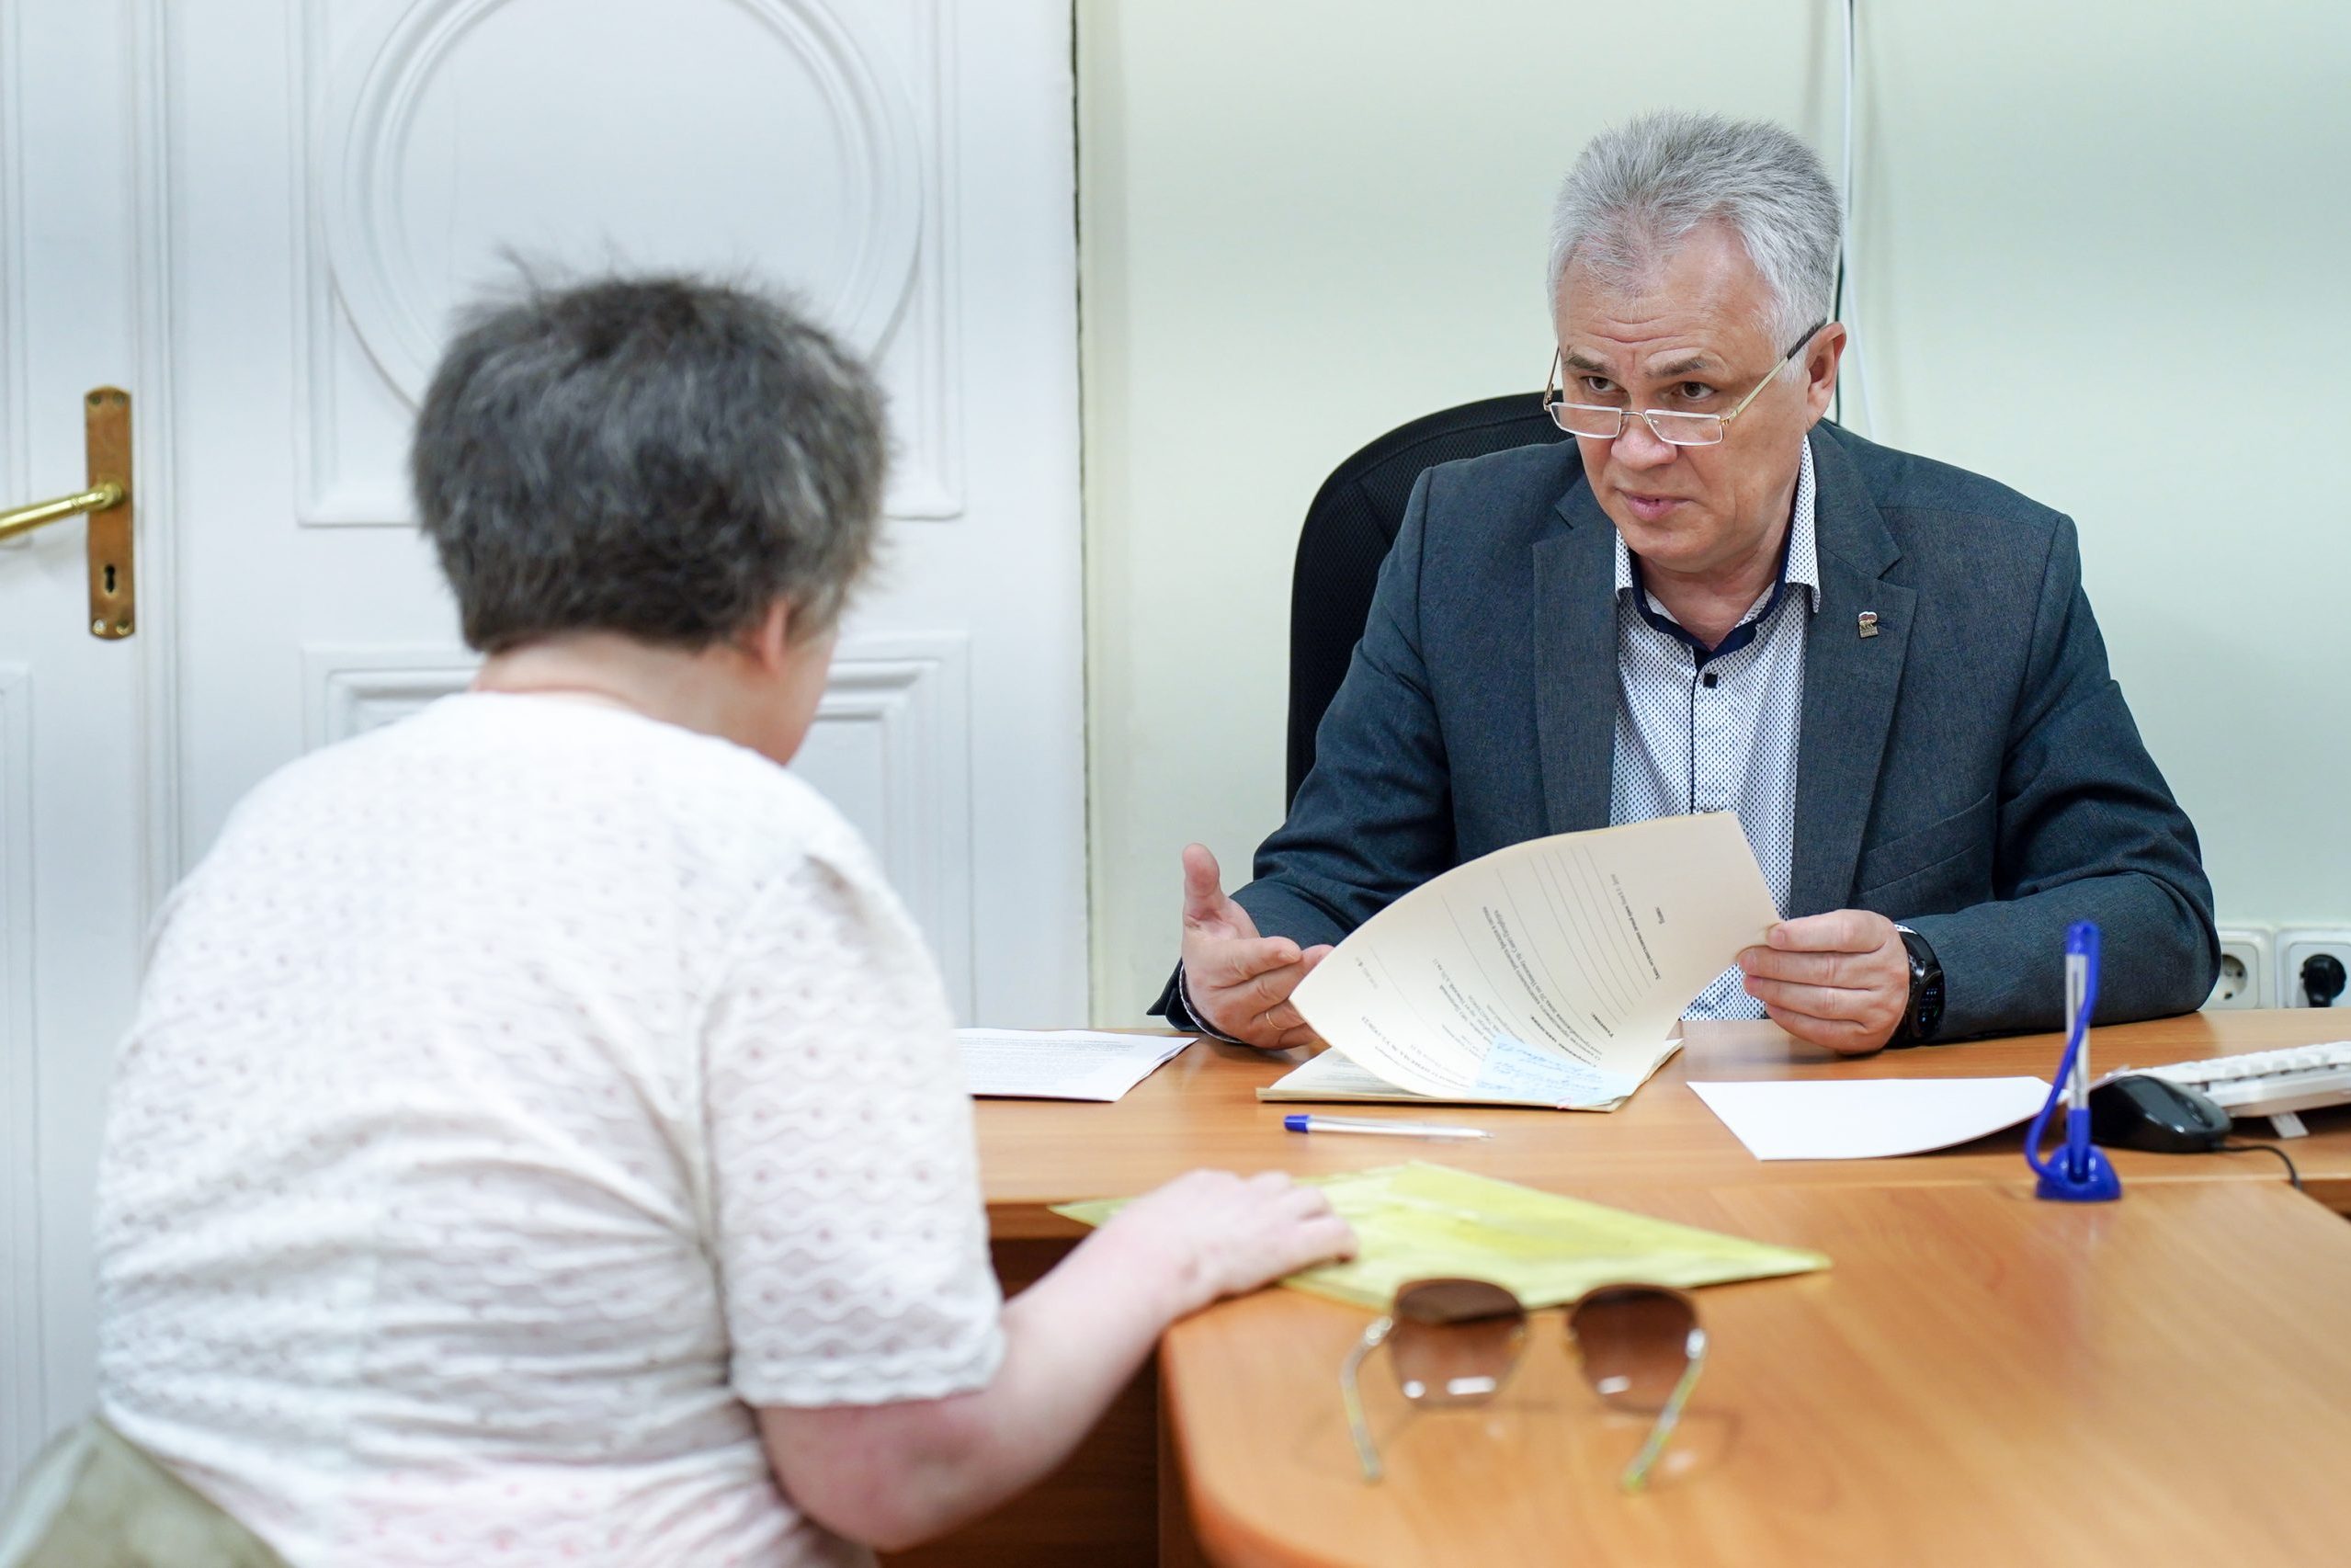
1302 221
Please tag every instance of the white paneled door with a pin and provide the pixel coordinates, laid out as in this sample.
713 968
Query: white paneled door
256 217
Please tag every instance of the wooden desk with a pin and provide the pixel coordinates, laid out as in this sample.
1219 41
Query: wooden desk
1981 1378
1663 1151
1201 1109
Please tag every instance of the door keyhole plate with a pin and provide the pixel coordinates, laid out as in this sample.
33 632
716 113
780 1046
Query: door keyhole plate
114 594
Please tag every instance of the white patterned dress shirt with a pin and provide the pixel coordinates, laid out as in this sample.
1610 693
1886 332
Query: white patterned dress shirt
1700 732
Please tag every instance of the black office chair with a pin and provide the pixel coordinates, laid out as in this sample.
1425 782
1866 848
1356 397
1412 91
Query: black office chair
1349 528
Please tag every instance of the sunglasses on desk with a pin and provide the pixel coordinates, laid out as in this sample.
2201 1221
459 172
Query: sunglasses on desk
1456 1342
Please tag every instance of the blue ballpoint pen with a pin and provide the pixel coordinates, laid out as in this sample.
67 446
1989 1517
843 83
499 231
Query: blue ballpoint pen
1387 1129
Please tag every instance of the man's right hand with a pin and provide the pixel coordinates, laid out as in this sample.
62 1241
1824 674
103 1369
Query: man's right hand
1237 982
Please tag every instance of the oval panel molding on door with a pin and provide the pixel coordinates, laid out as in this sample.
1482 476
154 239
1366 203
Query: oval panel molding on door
406 68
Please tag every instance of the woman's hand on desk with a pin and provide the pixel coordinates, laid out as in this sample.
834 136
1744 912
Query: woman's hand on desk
1235 981
1217 1235
895 1475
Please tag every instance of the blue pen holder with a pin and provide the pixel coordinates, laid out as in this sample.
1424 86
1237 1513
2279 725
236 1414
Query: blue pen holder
2090 1177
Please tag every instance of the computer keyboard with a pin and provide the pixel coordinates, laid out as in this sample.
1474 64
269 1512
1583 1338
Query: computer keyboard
2275 1084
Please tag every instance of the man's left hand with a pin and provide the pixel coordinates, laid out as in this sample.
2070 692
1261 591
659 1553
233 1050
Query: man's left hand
1841 979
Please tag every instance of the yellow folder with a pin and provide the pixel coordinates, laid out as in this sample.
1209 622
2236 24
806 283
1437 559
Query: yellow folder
1425 1222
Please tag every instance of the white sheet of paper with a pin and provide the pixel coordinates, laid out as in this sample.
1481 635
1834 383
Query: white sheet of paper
1060 1064
1868 1119
1580 950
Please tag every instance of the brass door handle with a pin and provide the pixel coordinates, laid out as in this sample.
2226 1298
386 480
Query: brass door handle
114 599
24 520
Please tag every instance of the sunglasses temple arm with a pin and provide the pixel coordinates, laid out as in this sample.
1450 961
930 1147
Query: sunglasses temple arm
1636 1475
1368 1455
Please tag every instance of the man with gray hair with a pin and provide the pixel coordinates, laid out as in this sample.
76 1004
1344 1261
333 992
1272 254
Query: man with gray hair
1710 600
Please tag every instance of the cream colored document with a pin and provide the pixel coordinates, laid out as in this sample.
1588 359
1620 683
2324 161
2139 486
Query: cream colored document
1331 1078
1551 972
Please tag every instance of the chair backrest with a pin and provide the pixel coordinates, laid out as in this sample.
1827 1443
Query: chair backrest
1349 528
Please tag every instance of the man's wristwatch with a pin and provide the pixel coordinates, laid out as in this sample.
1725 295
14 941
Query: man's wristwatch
1924 1015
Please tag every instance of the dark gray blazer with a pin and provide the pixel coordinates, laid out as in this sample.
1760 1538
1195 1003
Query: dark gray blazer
1971 770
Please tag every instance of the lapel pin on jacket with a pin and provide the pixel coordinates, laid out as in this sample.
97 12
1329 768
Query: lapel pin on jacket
1868 623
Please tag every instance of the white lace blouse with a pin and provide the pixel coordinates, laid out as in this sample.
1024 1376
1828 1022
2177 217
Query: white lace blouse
518 1094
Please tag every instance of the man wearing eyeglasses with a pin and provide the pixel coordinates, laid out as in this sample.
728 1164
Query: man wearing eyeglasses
1710 600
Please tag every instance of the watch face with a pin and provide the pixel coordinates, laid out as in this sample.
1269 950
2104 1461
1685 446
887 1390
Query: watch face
1926 989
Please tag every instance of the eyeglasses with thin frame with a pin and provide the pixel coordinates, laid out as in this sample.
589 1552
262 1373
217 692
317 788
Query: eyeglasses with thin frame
1600 422
1456 1342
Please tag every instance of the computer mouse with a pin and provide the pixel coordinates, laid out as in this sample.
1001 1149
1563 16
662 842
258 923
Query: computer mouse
2139 1110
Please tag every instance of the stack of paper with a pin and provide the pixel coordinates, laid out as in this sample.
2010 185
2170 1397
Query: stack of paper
1550 974
1425 1222
1061 1064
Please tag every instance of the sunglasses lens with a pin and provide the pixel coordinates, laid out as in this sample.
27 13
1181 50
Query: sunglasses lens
1635 1342
1455 1340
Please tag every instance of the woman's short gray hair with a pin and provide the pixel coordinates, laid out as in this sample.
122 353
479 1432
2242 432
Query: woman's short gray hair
1638 190
661 456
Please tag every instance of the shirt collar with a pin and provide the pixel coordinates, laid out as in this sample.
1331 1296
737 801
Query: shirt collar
1800 563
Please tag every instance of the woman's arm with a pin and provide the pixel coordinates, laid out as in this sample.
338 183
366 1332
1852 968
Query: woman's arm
893 1475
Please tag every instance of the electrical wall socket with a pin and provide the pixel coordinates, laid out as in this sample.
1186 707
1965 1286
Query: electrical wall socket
2247 961
2297 947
